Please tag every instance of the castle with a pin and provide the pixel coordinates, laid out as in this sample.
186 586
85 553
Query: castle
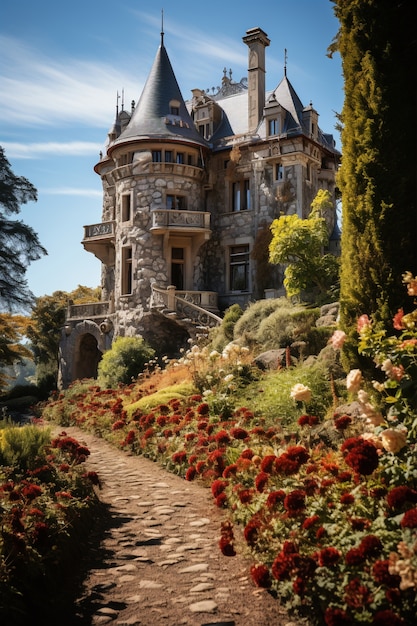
189 191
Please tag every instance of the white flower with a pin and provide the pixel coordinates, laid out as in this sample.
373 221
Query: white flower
393 439
228 378
301 393
354 381
363 396
207 392
214 354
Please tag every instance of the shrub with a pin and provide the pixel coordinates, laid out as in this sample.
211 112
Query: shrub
23 448
247 328
222 335
125 360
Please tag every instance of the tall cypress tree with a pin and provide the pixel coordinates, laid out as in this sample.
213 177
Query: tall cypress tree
377 178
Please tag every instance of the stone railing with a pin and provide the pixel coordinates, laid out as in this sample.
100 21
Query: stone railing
199 306
172 218
89 310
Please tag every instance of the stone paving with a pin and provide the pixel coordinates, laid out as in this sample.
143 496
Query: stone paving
157 561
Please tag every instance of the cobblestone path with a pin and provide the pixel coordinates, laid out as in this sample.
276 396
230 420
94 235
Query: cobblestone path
157 560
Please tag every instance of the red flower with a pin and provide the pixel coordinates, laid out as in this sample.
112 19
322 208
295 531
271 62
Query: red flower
226 547
260 481
342 422
357 595
336 617
268 462
274 497
347 498
387 618
218 486
203 409
251 531
190 474
307 420
30 492
239 433
354 556
245 496
230 470
261 576
370 546
361 455
222 437
328 557
310 521
380 572
409 519
247 454
294 502
221 500
400 496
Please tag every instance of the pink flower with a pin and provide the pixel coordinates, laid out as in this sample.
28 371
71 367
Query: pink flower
398 325
362 323
393 439
337 339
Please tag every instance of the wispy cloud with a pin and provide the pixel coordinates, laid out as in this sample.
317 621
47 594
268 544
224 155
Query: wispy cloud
36 150
38 90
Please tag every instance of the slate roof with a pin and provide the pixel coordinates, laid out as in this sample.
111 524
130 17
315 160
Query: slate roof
152 117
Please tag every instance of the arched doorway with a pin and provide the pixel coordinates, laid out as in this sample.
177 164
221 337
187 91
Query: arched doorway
87 357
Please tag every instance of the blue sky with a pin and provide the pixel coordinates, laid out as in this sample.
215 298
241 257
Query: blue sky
61 65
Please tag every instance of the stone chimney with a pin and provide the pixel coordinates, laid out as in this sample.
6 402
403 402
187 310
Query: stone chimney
257 41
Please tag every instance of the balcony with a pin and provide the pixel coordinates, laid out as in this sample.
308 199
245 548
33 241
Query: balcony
184 222
99 239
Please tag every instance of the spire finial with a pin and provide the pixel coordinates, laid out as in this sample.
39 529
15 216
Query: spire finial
285 62
162 27
117 103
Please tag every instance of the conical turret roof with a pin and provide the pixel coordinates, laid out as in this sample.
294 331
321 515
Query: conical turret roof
161 112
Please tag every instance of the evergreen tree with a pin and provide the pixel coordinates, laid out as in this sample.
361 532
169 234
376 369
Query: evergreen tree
377 178
19 244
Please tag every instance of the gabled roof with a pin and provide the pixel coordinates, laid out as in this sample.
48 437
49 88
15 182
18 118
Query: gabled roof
153 117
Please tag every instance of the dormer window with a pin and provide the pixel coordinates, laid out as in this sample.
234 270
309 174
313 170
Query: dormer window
274 126
174 107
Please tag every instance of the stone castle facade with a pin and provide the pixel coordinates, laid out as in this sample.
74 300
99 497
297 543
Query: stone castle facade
189 191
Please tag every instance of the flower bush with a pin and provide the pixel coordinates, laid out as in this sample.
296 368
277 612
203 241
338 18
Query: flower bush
330 521
46 504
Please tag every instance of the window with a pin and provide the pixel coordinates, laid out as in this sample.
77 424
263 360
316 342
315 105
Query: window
177 267
168 156
156 156
279 171
176 202
126 208
239 268
180 157
127 271
241 195
274 126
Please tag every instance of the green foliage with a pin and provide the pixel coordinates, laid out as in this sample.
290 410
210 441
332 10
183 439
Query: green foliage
124 361
298 243
282 327
19 244
377 177
223 334
247 327
23 447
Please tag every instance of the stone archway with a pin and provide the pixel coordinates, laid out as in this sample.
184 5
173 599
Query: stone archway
87 357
